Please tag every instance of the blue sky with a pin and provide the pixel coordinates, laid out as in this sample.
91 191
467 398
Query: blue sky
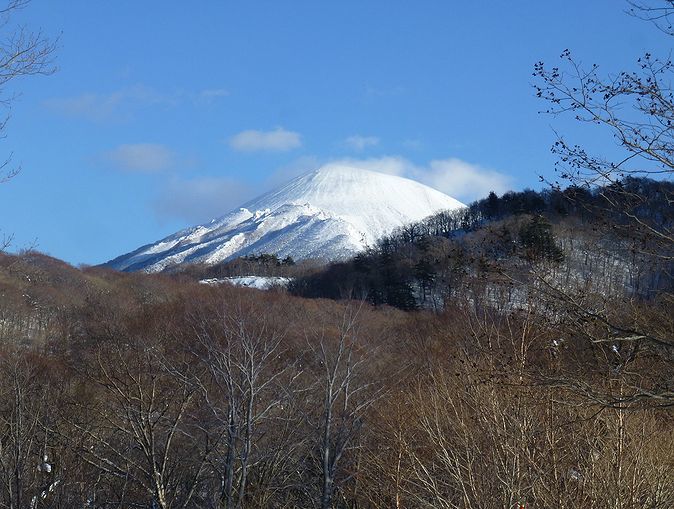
165 113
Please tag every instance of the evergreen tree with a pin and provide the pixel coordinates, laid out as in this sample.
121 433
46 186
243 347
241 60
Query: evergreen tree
537 240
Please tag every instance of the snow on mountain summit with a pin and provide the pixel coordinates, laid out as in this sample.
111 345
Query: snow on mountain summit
331 213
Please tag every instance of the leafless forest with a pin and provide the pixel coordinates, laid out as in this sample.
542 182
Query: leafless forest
133 390
518 353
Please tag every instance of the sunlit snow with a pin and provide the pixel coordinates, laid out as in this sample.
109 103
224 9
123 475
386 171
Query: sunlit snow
331 213
257 282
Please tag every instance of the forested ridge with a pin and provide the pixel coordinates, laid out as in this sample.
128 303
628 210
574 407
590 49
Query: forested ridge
499 245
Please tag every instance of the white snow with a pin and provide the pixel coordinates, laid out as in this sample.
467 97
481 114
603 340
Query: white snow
257 282
331 213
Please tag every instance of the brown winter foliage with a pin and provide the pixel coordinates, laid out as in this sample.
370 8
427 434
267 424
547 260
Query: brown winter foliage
131 390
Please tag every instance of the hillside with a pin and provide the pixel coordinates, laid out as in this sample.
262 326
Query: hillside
527 315
498 247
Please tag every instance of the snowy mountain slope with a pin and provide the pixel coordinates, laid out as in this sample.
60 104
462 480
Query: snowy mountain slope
331 213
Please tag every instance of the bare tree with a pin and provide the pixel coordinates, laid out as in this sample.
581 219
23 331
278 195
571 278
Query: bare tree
22 53
142 436
251 395
347 393
27 472
636 107
659 12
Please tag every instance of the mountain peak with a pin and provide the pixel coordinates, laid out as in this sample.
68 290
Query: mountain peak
329 213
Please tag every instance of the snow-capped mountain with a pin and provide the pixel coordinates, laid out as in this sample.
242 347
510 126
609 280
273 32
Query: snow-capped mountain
331 213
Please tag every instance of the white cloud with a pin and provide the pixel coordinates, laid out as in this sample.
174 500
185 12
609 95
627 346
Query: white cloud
140 157
199 200
210 95
122 104
279 140
290 170
455 177
360 143
214 92
116 105
463 180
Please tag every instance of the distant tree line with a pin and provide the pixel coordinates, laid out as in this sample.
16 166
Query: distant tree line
262 264
424 264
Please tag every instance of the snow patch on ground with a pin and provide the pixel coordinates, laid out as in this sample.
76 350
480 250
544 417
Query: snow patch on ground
257 282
